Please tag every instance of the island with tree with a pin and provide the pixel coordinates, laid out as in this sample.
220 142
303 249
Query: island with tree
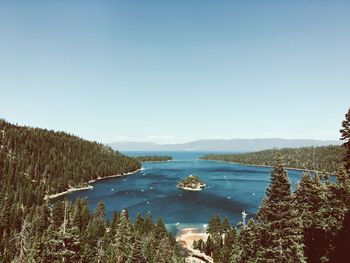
191 183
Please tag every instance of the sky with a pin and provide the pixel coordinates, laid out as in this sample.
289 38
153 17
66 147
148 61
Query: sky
175 71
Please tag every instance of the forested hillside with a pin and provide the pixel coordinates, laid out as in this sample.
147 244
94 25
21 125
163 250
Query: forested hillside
36 162
322 158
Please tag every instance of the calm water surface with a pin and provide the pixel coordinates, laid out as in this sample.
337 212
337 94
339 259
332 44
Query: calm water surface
231 188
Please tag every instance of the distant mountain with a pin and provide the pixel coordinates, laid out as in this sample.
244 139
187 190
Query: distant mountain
222 145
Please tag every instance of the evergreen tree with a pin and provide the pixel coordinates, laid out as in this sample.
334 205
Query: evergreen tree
61 245
345 136
214 225
247 244
124 239
58 214
209 247
340 254
163 253
309 199
160 230
137 254
139 224
278 224
226 226
148 224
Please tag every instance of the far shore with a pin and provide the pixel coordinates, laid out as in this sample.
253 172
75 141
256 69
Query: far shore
156 161
271 166
74 189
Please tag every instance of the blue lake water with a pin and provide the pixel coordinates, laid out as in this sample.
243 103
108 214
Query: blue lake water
231 188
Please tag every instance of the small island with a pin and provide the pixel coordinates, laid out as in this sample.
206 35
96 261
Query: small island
191 183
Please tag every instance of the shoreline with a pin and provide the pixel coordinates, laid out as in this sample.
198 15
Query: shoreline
198 188
74 189
271 166
190 189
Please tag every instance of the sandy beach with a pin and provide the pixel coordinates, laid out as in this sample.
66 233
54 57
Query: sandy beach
185 238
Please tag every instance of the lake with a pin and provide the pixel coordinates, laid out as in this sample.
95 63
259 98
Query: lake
231 188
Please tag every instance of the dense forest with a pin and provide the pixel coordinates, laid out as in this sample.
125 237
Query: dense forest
37 162
153 158
311 224
67 232
322 158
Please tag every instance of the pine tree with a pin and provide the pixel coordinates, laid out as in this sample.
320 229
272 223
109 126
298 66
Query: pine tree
278 224
137 254
23 241
42 218
342 242
61 245
160 230
148 226
329 221
226 226
58 214
139 224
247 244
309 199
164 252
98 225
214 241
345 136
230 236
208 246
77 220
124 239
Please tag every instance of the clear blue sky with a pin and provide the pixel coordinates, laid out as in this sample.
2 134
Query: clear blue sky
174 71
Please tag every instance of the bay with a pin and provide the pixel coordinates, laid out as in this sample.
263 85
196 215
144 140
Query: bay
231 188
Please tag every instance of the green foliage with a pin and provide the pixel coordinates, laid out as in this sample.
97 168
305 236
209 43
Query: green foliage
324 158
214 225
345 136
278 223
